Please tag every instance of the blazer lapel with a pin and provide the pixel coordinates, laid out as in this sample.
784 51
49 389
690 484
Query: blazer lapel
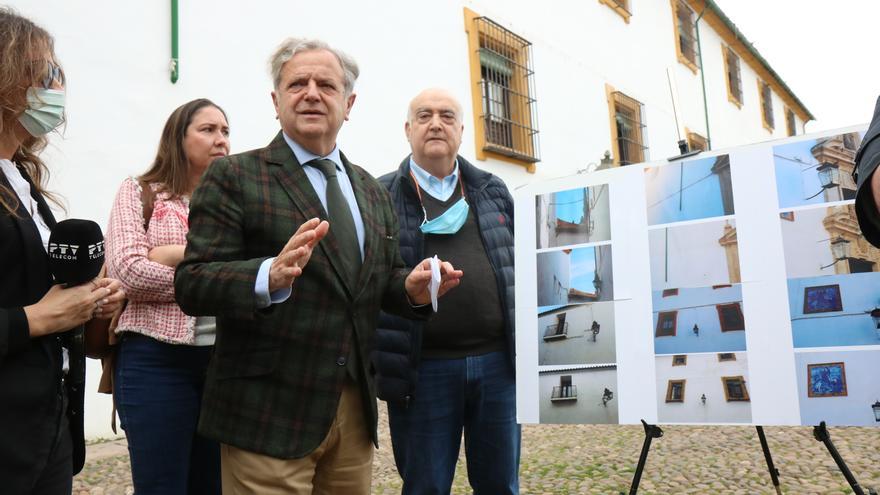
367 203
34 251
293 180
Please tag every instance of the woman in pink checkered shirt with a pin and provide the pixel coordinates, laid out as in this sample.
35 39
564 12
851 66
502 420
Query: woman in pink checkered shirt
163 353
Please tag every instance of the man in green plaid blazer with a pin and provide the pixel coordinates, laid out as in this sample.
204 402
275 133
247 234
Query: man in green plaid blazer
289 392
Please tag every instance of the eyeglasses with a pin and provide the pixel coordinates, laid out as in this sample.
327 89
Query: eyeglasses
52 74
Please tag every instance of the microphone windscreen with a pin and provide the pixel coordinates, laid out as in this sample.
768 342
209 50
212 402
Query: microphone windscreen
76 251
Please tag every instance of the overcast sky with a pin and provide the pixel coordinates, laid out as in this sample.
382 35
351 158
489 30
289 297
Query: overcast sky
827 52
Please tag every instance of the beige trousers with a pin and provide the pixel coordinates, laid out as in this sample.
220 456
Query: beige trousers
342 463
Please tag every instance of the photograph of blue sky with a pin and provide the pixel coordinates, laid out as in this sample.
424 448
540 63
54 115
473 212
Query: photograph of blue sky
583 269
570 205
687 190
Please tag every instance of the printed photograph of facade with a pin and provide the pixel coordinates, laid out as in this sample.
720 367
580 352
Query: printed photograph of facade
840 387
703 319
572 276
689 190
576 216
703 388
826 241
816 171
835 310
577 334
694 255
579 395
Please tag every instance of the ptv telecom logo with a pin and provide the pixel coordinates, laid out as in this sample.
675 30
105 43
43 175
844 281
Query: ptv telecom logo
62 251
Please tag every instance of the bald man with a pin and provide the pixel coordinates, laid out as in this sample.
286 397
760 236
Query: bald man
455 372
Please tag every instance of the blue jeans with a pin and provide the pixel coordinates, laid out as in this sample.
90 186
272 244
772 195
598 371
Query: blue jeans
158 393
476 394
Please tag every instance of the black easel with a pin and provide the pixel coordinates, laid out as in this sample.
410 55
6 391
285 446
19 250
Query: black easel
821 434
651 432
654 431
774 473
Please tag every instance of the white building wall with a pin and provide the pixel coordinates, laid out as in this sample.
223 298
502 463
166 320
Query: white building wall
116 57
807 244
554 279
694 257
703 374
588 408
578 346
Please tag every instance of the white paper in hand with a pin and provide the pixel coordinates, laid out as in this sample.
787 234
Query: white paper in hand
434 287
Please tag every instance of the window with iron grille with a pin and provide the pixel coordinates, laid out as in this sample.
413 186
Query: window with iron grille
675 391
790 125
735 389
680 360
734 76
508 109
685 26
629 129
766 105
619 6
726 356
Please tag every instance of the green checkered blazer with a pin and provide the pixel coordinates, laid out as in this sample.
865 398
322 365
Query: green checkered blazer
275 379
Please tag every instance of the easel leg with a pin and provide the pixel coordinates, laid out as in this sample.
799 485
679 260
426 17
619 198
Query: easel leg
821 434
774 473
651 432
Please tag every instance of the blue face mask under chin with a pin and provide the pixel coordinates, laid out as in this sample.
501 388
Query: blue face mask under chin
449 222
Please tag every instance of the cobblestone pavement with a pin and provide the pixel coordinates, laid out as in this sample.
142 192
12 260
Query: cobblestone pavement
601 460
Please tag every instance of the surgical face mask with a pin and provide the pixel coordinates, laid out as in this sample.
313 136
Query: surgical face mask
45 111
449 222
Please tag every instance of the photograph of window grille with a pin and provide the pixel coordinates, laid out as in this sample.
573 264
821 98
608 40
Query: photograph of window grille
701 319
508 113
838 387
584 394
572 276
575 216
703 388
577 334
816 171
689 190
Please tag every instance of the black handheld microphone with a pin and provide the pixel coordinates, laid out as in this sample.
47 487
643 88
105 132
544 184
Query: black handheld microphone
76 251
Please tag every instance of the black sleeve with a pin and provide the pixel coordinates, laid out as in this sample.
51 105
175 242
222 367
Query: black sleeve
14 332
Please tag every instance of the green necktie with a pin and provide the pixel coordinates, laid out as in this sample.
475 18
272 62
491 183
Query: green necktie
341 221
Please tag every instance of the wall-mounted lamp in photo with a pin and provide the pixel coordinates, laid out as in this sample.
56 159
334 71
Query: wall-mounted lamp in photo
696 330
703 399
829 175
875 315
597 283
876 408
607 396
595 329
839 250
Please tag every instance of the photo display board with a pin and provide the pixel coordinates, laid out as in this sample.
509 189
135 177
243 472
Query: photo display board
730 287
